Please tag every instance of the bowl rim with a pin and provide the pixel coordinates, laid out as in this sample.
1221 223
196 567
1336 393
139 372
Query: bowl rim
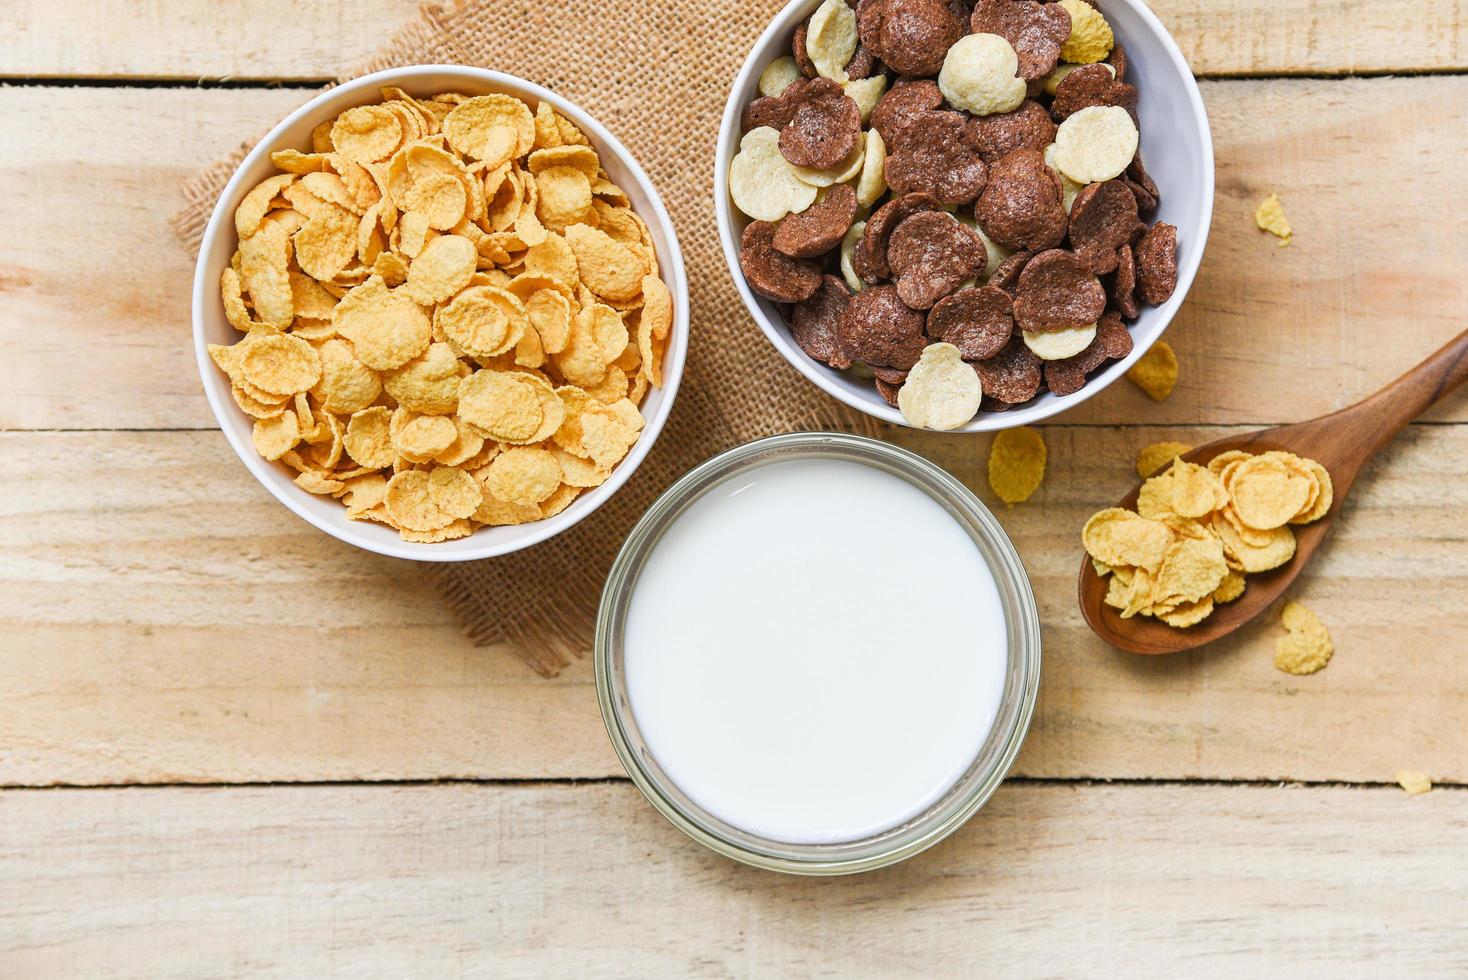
671 267
825 378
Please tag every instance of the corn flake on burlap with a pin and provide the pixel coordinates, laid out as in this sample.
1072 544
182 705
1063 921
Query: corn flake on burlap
657 75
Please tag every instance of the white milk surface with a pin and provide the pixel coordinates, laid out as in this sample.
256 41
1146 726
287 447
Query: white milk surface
815 651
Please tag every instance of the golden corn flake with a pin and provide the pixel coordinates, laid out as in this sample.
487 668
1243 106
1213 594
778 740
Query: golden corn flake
490 128
460 528
429 382
1414 782
1230 588
558 501
264 268
1306 646
467 445
1119 537
410 502
1270 217
421 437
327 242
366 133
1192 570
523 475
386 328
493 512
1267 494
1156 371
609 268
442 269
347 385
1152 458
1016 464
483 321
1189 490
564 197
274 437
448 313
281 364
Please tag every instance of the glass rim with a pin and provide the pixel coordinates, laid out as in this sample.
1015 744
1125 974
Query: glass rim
994 758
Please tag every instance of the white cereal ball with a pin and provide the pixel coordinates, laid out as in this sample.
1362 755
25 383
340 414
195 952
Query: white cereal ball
941 391
1095 144
778 75
830 39
762 182
980 75
865 92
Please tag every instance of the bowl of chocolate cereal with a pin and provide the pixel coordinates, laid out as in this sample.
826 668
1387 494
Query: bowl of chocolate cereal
939 211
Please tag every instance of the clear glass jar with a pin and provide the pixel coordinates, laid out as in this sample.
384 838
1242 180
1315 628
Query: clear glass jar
973 787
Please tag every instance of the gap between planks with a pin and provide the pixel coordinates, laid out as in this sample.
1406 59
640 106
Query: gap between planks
311 83
540 782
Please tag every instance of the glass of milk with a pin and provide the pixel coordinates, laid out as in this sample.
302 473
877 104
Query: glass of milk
817 653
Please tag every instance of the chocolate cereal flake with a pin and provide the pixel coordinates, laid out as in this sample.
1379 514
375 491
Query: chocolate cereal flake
979 322
1011 377
937 155
1103 218
816 320
824 129
900 105
1057 290
1124 283
772 275
800 53
1091 85
1006 274
870 257
1028 127
1157 263
931 254
818 228
1023 203
913 36
775 111
881 330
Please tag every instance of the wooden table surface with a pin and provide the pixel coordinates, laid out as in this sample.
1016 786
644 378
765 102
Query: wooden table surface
230 745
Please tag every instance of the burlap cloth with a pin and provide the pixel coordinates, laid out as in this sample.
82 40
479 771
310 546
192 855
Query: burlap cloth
657 74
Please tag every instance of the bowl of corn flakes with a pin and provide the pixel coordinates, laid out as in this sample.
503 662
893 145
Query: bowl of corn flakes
938 210
440 313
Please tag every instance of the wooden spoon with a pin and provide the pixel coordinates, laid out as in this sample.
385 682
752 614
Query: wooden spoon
1342 442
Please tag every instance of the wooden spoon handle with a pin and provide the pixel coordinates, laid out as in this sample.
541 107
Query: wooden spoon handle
1373 421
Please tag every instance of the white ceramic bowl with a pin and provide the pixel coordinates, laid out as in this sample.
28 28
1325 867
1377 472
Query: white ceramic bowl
210 325
1176 146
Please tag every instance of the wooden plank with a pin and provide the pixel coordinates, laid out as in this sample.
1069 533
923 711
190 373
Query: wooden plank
1269 335
452 880
267 39
163 620
187 39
